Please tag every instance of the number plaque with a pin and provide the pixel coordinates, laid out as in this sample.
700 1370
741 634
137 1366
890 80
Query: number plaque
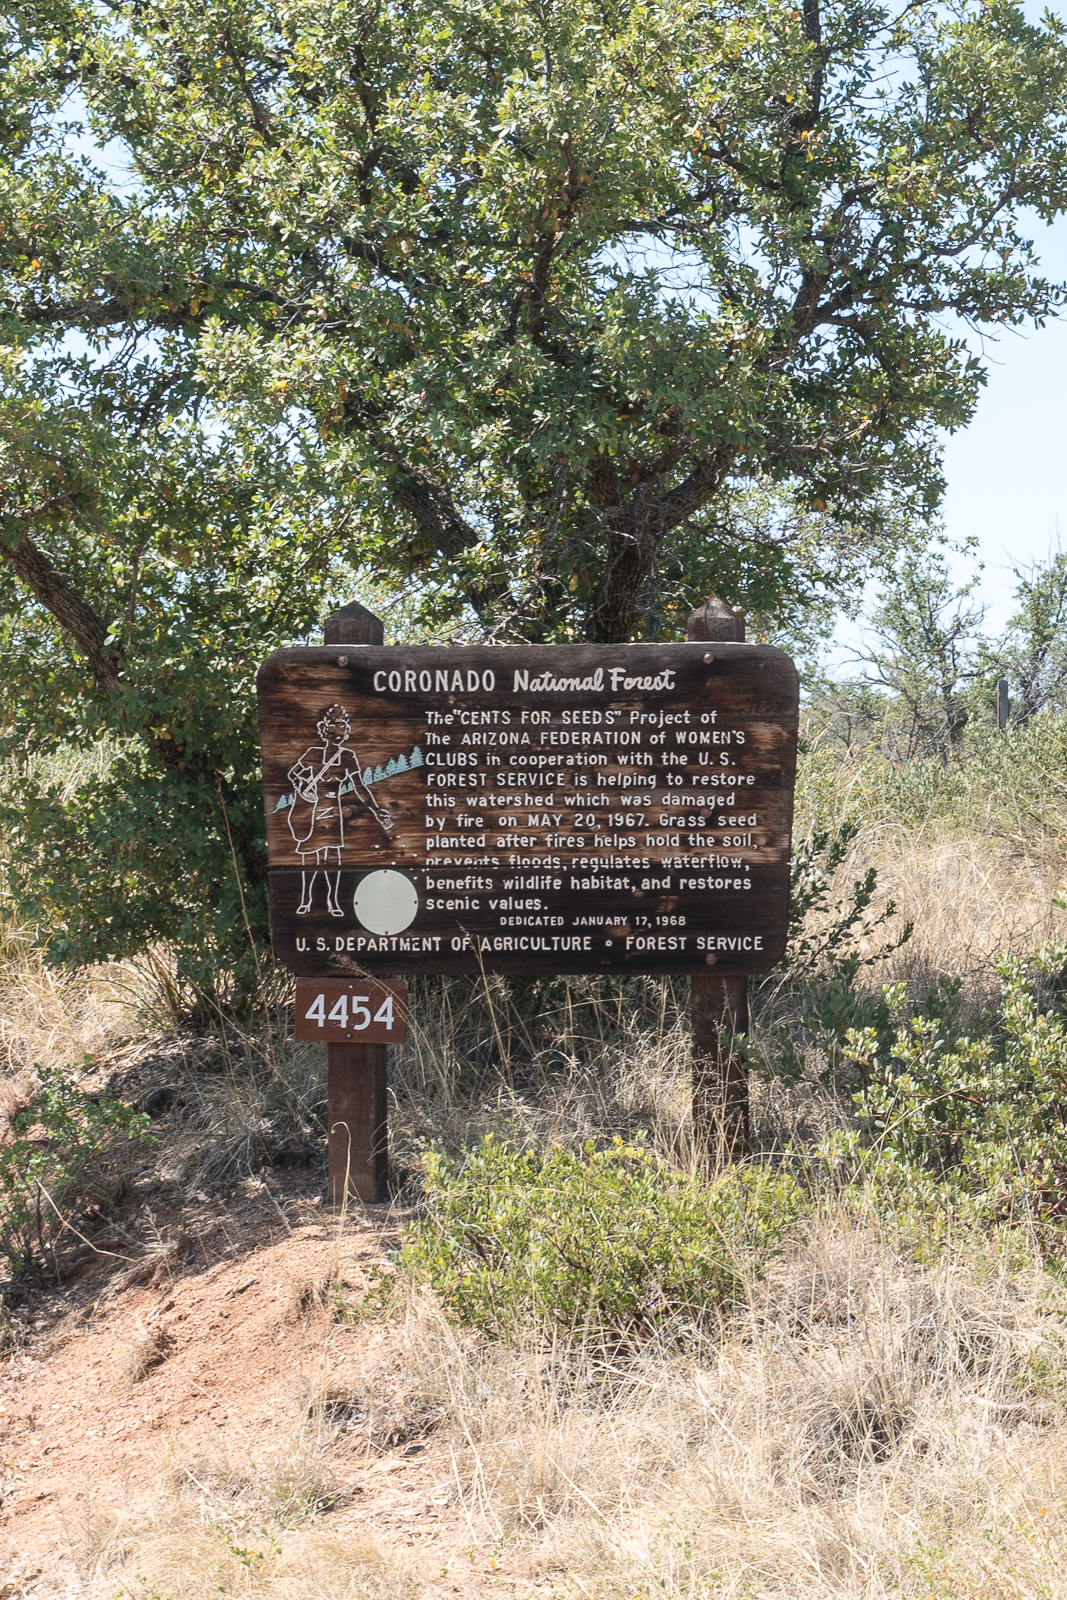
350 1011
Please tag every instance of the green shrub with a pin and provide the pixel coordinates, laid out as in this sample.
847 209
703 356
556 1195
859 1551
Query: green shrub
609 1242
833 936
810 1001
984 1112
1003 785
56 1144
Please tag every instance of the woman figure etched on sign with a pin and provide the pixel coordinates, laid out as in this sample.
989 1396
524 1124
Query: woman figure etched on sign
319 812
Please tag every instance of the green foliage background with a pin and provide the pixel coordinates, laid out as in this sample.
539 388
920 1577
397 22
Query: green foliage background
556 318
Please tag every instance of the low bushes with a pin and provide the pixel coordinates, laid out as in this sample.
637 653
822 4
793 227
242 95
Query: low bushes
56 1146
983 1112
606 1241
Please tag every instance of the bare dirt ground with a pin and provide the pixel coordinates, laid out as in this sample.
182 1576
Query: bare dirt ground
209 1357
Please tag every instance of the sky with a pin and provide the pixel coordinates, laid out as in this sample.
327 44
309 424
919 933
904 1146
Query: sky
1007 472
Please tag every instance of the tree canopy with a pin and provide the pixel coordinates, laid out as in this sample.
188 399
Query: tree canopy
560 315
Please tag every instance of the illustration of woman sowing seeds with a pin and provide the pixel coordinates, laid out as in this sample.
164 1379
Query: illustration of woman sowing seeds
328 785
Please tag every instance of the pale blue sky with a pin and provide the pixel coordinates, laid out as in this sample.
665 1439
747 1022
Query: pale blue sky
1007 472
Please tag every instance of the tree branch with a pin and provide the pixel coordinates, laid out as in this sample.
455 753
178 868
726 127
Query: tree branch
429 501
89 632
73 613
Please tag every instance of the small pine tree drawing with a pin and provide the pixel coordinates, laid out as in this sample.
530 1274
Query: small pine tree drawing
379 775
368 776
416 757
401 763
390 767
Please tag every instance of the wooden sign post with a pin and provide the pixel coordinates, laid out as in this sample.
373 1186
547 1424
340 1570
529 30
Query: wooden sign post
1003 703
357 1105
718 1006
531 808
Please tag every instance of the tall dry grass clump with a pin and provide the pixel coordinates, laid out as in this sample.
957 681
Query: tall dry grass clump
194 1543
552 1062
865 1427
974 854
52 1016
46 1014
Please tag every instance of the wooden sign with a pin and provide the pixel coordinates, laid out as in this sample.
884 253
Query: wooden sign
350 1010
579 808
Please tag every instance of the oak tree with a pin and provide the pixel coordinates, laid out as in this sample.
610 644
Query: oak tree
558 314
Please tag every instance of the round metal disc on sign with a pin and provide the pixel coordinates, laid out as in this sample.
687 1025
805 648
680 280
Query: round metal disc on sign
386 902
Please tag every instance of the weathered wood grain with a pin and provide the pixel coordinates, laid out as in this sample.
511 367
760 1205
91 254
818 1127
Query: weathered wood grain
525 808
357 1119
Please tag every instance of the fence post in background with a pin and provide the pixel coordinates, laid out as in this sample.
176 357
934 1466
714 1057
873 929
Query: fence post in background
718 1005
356 1103
1003 703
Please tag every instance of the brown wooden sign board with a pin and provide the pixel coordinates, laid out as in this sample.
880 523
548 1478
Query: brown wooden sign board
579 808
350 1010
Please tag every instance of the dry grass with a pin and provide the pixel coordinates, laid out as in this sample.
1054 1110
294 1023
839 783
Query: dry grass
869 1424
588 1061
144 1354
238 1101
239 1523
54 1018
867 1427
193 1545
46 1015
576 1061
970 900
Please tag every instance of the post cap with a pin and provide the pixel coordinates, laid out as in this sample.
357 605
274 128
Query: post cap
715 620
353 624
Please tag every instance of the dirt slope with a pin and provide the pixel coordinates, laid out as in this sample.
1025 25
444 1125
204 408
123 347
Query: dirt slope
205 1358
